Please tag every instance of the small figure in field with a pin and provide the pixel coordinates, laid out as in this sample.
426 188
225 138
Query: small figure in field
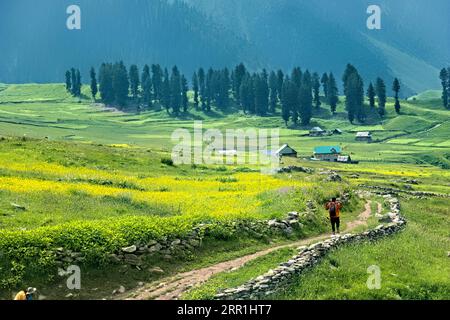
333 208
25 294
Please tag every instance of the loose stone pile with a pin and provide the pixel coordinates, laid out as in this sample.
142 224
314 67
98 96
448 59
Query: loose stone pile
287 226
387 190
295 169
273 280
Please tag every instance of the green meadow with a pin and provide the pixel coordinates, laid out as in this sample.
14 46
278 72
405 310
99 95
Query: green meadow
38 111
414 264
77 175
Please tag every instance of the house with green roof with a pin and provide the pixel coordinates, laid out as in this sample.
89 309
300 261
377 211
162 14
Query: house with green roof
327 153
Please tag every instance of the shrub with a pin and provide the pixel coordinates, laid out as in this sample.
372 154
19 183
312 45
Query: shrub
167 161
227 179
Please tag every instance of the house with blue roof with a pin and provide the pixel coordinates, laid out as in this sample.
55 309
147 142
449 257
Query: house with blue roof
327 153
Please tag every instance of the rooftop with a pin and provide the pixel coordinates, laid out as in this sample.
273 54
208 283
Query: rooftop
284 146
363 134
327 150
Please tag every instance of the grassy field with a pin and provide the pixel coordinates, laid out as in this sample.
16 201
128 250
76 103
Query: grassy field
91 179
418 136
96 199
236 278
413 264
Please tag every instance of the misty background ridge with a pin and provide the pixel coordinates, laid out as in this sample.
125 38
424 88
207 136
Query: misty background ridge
320 35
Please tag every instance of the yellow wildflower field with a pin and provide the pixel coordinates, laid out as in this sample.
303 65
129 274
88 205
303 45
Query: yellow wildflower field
233 196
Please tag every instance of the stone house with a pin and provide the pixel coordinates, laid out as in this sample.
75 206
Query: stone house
327 153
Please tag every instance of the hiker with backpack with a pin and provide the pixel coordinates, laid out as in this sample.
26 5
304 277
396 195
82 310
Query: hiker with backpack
25 294
333 208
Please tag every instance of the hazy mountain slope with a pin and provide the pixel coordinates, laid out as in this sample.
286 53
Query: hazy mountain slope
322 35
419 27
37 46
327 34
414 72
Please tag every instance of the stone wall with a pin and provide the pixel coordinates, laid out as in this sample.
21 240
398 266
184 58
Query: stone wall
387 190
167 248
269 283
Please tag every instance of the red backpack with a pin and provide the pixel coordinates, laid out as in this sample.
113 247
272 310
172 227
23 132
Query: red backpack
332 209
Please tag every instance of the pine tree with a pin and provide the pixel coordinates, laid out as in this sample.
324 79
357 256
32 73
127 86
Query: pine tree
146 85
68 81
195 88
381 94
349 70
280 80
222 88
120 84
239 73
265 92
316 88
184 91
252 93
359 98
445 81
448 87
134 81
165 91
175 91
273 94
157 82
226 86
242 94
261 94
354 94
73 76
296 77
94 87
396 89
245 93
105 81
78 84
209 89
350 101
233 81
213 85
202 87
306 98
333 93
288 99
325 80
371 95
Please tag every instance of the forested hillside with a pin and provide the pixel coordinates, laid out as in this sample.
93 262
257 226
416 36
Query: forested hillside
273 34
138 31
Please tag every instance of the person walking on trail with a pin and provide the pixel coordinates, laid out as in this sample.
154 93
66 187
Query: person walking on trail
25 294
334 208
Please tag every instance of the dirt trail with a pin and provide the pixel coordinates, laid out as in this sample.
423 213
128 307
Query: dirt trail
173 287
362 218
